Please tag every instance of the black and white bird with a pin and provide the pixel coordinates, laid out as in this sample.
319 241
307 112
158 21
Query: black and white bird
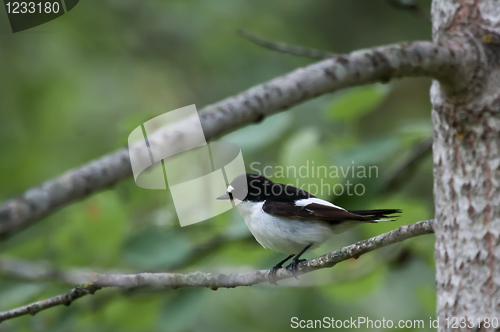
290 220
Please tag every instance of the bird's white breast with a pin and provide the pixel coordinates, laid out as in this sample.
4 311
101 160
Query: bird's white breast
284 235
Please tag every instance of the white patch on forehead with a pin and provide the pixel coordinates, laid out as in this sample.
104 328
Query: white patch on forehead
230 189
307 201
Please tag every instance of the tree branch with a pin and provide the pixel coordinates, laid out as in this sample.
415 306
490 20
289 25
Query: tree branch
285 48
64 299
201 279
445 61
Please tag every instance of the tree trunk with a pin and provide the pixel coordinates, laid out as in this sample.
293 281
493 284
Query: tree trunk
467 169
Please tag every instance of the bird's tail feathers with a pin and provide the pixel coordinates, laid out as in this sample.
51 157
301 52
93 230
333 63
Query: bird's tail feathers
378 215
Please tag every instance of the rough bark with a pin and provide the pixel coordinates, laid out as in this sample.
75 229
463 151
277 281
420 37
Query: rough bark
467 167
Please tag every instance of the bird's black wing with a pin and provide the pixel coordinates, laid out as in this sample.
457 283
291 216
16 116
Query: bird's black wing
286 193
311 212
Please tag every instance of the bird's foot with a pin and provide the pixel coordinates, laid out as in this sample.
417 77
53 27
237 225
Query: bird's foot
293 266
272 274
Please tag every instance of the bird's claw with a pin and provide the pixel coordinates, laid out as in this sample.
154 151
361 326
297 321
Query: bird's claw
293 266
272 274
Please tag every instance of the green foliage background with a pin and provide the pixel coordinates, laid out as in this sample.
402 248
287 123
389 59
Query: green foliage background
73 89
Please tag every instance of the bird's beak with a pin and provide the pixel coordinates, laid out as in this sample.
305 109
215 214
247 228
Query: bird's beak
223 197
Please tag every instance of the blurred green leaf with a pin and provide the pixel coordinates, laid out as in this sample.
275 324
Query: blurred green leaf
424 247
300 158
358 288
96 227
12 295
300 147
400 292
372 152
152 248
427 297
258 136
181 310
137 313
421 128
356 102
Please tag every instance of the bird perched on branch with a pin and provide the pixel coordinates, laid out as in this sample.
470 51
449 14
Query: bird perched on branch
290 220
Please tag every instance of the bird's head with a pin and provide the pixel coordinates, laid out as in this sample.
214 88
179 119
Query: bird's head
247 187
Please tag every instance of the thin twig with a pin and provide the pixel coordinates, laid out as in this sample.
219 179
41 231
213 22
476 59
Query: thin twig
285 48
64 299
201 279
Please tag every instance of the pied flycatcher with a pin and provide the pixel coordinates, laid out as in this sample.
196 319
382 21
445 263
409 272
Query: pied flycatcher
290 220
